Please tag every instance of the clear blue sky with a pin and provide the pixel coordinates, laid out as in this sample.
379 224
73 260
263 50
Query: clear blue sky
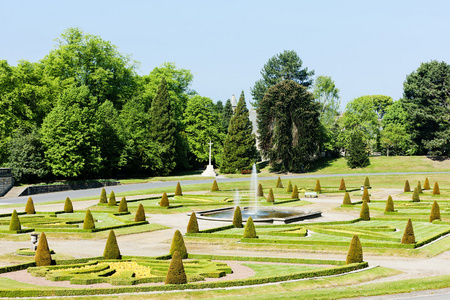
367 47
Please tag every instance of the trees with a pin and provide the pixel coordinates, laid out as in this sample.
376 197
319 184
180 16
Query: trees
286 65
227 114
327 95
287 126
358 154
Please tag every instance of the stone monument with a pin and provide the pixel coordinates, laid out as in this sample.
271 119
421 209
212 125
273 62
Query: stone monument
209 168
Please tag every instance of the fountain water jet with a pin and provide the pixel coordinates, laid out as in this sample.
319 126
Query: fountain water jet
254 187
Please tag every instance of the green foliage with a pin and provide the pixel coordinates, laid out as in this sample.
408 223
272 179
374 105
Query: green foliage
358 154
112 199
29 208
426 185
396 139
260 192
192 226
289 187
123 206
342 185
419 188
366 182
270 197
249 230
178 191
294 194
406 188
111 248
436 190
178 245
415 195
103 198
164 201
214 187
237 217
140 213
14 224
68 207
389 204
317 188
355 253
408 235
435 212
43 256
365 213
88 220
279 184
176 274
227 114
365 196
327 95
347 200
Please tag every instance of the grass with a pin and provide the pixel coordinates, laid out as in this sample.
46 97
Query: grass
265 270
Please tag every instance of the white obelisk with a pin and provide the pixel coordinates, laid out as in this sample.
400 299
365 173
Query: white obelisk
209 168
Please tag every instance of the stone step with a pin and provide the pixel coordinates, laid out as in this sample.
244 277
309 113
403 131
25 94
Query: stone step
15 191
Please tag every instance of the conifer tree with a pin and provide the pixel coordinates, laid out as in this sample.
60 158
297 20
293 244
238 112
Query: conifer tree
227 115
317 188
419 188
366 182
260 191
270 197
103 198
42 257
389 205
14 224
347 200
436 190
239 149
435 212
176 273
123 206
178 245
214 187
140 214
342 185
192 226
68 207
112 199
279 183
406 188
237 217
164 201
355 253
289 187
88 220
29 208
415 195
358 156
249 230
408 235
112 250
365 213
365 196
294 194
426 184
178 191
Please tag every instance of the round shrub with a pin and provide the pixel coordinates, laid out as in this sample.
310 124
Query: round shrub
355 253
294 194
14 224
270 197
29 208
436 190
140 213
237 217
289 187
68 207
193 224
249 230
317 188
435 212
214 187
279 183
260 192
389 205
426 184
415 195
406 188
365 196
419 188
112 199
88 221
408 235
42 256
176 274
347 200
364 214
178 191
342 185
366 182
178 245
112 248
123 206
103 197
164 201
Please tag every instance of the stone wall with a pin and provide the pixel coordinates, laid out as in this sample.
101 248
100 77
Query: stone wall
40 189
6 181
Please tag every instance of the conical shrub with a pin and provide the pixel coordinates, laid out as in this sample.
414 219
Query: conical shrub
164 201
408 235
347 200
140 213
355 253
294 194
14 224
178 245
112 248
435 212
279 183
112 199
88 220
123 206
237 217
68 207
415 195
365 213
436 190
406 188
178 191
289 188
270 197
426 184
214 187
260 191
342 185
389 205
419 188
365 196
367 182
318 188
103 198
29 208
193 224
176 273
42 257
249 230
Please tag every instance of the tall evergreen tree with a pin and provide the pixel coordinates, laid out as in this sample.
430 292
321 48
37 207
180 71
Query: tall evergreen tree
358 155
239 151
227 114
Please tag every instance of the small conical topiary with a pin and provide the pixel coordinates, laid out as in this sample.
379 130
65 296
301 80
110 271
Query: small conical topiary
347 200
260 192
112 199
436 190
123 206
435 212
178 191
279 183
42 257
367 182
419 188
415 195
112 248
389 205
406 188
192 226
140 214
29 208
364 214
176 274
270 197
214 187
294 194
14 224
408 235
318 188
237 217
249 230
88 220
365 196
103 197
178 245
68 207
426 184
289 188
355 253
164 201
342 185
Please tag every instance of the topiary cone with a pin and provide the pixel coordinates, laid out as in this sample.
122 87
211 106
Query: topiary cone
406 188
355 253
436 190
389 205
366 182
178 245
103 197
426 184
164 201
364 214
342 185
112 199
289 187
178 191
42 257
68 207
347 200
270 197
279 183
112 248
419 187
14 224
365 196
260 191
29 208
435 212
88 221
214 187
294 194
237 217
415 195
318 188
176 273
123 206
249 230
408 235
140 214
192 226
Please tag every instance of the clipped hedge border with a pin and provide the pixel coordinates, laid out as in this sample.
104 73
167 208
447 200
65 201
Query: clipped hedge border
93 230
285 201
430 239
216 229
360 234
29 252
17 231
18 267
